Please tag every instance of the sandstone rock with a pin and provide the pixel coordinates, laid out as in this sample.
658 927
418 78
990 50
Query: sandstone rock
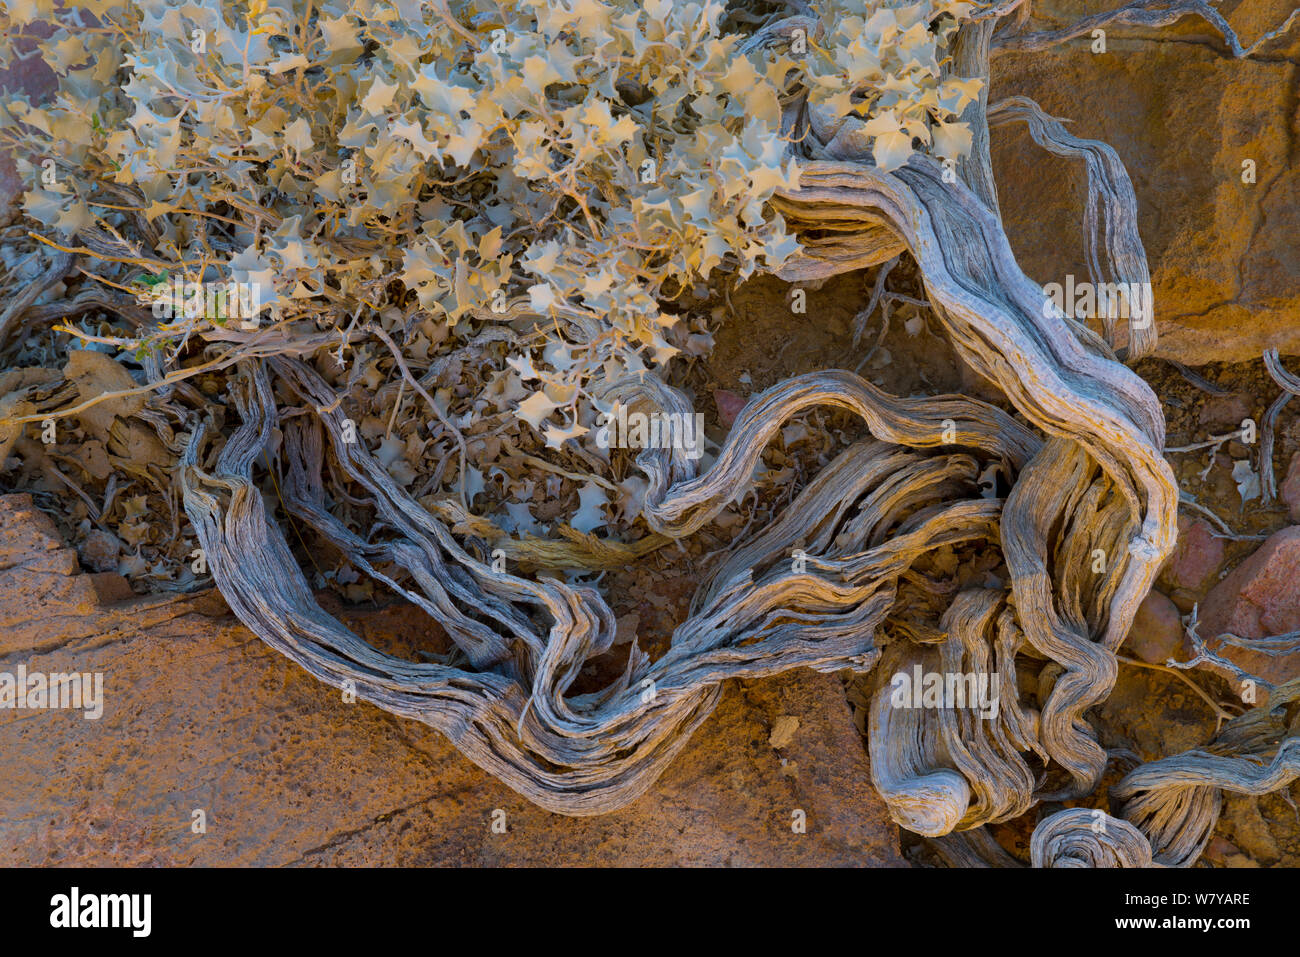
1157 631
200 715
1258 599
1260 596
1197 557
1183 116
1289 490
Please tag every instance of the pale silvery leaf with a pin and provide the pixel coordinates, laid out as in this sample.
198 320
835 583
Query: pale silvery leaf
590 514
1247 480
536 408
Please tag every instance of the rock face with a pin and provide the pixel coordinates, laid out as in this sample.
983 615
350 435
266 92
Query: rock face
1184 116
198 715
1258 599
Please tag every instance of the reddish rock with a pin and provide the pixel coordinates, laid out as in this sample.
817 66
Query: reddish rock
729 406
1157 631
1225 413
1197 557
1289 490
1261 597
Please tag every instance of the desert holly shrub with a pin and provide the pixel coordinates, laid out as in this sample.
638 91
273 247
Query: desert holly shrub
584 161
